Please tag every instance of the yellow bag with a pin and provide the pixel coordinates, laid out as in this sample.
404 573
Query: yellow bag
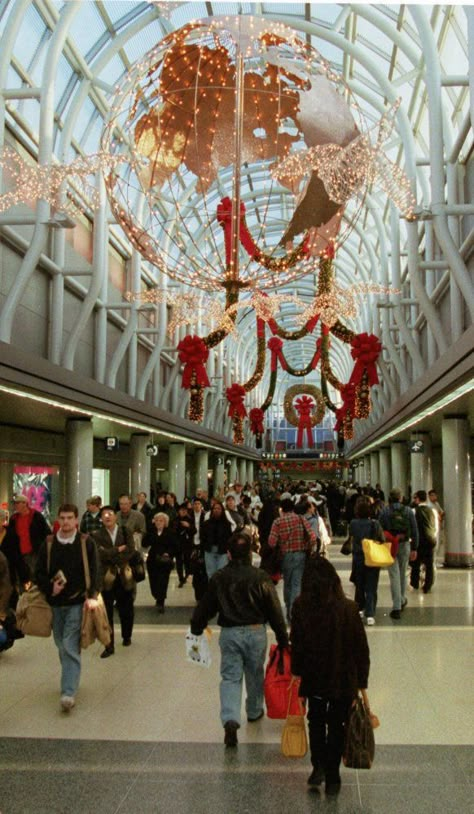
377 555
294 740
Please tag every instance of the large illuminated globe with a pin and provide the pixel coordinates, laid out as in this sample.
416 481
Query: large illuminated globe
207 115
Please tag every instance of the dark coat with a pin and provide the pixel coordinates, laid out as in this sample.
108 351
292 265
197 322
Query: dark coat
215 532
39 530
329 649
67 557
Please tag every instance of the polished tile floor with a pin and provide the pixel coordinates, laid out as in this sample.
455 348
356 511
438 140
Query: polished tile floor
145 735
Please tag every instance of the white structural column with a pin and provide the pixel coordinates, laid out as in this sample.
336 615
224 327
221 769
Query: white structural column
139 464
177 470
201 469
242 467
374 468
421 469
233 472
79 461
400 466
250 472
6 481
385 471
457 490
218 473
367 472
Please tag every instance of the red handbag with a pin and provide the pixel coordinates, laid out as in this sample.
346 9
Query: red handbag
277 684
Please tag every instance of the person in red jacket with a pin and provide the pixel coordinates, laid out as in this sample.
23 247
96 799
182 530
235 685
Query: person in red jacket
30 531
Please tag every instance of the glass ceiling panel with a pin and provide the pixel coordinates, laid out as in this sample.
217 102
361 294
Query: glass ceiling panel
86 27
144 41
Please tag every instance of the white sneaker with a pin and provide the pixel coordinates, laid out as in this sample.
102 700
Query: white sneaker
370 620
361 614
67 702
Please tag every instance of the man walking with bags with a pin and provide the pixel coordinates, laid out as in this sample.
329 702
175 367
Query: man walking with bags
245 599
60 575
295 539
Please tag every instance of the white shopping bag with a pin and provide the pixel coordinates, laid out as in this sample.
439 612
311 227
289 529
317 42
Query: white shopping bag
197 648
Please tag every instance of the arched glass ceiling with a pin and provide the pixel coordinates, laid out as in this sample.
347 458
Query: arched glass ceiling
380 50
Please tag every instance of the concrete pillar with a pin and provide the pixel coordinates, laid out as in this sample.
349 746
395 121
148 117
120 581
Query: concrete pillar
139 464
6 484
399 466
367 474
385 471
374 468
79 461
242 469
250 471
457 490
232 474
218 473
177 470
437 473
421 472
201 467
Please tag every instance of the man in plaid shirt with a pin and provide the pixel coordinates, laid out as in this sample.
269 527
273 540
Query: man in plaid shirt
294 536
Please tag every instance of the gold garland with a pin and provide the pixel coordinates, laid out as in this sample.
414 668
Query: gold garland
298 390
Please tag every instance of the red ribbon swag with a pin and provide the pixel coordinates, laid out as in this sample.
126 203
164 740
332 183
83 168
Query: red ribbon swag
235 396
192 351
275 346
366 349
304 406
256 416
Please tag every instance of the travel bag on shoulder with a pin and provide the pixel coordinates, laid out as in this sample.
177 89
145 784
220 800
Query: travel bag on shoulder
34 615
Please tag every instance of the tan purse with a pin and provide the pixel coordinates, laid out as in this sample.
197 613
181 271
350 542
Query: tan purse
294 740
95 623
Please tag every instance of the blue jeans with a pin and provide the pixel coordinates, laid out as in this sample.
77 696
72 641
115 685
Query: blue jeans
398 575
67 638
292 568
243 651
214 561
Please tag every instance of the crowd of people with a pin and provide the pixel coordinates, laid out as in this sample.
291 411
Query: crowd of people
214 543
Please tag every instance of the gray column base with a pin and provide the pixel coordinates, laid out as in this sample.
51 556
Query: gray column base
462 560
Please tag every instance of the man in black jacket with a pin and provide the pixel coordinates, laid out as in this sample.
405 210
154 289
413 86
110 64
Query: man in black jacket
245 599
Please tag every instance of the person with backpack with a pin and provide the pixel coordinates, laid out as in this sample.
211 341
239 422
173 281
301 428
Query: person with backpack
399 521
426 521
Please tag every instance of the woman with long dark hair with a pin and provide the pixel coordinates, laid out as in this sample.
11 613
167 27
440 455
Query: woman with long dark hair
215 534
366 580
329 651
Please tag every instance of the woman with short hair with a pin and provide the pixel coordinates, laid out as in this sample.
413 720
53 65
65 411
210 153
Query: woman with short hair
163 547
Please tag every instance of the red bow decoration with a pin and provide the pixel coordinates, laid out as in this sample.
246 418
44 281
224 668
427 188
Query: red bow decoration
256 416
366 349
348 393
192 351
275 345
235 396
304 406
